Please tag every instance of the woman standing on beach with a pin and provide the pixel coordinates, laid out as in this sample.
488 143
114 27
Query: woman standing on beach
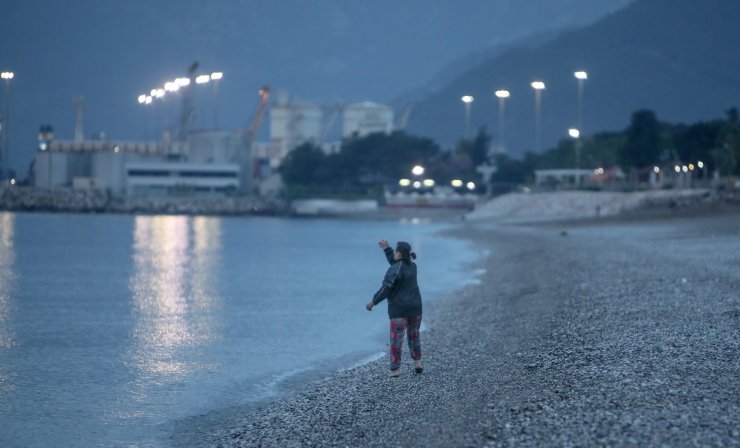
404 303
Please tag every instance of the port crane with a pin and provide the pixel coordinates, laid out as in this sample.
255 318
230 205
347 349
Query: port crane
249 136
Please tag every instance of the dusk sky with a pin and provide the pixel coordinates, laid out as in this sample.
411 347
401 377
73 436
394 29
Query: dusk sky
111 51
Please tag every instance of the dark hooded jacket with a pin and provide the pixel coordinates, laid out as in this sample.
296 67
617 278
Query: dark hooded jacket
400 288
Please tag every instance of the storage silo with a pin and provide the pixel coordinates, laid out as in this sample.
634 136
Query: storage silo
294 123
366 118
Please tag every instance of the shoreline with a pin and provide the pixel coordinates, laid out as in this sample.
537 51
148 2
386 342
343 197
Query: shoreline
198 430
535 357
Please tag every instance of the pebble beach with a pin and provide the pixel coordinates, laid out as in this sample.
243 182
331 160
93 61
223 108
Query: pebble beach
600 333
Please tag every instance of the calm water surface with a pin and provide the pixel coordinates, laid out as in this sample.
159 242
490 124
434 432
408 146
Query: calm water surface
113 326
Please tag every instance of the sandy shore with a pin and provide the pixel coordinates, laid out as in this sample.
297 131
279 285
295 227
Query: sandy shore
615 333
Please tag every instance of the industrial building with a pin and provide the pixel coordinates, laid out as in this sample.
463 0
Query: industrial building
203 163
207 164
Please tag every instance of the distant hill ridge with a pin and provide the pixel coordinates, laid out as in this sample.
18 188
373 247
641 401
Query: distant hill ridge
677 57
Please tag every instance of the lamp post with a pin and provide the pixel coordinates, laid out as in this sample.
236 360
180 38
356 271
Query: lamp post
581 76
215 77
502 95
468 100
538 87
576 135
4 126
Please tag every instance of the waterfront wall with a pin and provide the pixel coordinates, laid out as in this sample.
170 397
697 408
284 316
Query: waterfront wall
71 200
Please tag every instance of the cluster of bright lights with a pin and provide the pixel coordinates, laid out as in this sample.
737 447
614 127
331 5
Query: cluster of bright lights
7 75
599 171
429 183
175 85
537 85
457 183
419 170
687 168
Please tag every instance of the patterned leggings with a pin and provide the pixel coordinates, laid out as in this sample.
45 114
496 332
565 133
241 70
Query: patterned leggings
409 325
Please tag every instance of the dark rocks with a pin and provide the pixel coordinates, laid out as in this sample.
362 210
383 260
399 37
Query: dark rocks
31 199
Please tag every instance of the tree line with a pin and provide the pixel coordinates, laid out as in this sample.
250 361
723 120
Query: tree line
365 165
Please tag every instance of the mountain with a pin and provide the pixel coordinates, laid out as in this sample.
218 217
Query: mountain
677 57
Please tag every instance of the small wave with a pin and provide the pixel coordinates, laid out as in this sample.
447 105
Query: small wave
363 361
270 387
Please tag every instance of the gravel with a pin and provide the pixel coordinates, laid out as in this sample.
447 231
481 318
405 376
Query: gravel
598 334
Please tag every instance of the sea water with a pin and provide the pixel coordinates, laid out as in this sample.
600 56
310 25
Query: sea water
111 326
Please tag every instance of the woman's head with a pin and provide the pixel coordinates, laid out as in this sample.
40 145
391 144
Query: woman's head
403 251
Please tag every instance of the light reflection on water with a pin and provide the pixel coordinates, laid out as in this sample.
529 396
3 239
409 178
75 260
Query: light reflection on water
173 298
7 277
113 327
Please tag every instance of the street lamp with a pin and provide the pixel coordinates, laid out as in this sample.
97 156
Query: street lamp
576 135
202 79
418 170
215 77
538 87
581 76
468 100
502 95
4 126
703 167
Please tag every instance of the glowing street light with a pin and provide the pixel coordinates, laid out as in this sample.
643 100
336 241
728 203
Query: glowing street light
575 133
581 76
158 93
216 76
468 100
182 82
418 170
677 169
7 75
502 95
148 100
538 87
470 185
171 86
457 183
202 79
429 183
141 98
417 184
404 182
656 169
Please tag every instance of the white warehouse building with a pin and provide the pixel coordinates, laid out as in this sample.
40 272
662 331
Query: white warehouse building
209 164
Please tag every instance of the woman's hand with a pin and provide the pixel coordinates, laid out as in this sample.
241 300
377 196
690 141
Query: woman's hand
369 306
383 244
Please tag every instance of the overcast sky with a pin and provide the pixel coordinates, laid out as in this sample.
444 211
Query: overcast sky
110 51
